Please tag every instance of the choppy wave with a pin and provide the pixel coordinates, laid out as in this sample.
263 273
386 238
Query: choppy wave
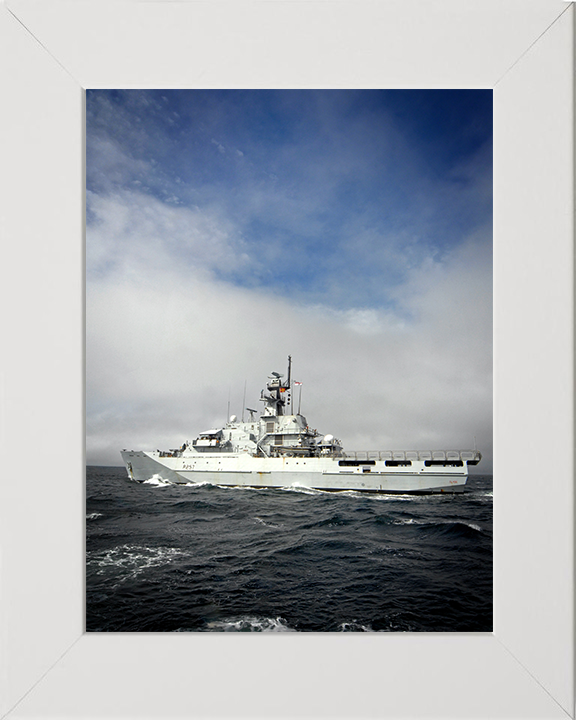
157 481
204 558
244 488
443 525
267 524
129 561
330 521
249 624
354 626
461 529
304 489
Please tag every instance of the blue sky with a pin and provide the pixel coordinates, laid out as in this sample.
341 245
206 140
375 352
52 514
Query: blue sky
352 229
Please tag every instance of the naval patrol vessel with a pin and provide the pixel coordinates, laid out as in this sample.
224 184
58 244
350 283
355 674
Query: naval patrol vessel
278 449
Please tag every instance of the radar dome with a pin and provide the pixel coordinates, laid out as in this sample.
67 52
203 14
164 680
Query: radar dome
233 418
328 438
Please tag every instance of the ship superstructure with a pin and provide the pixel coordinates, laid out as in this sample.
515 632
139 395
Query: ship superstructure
279 449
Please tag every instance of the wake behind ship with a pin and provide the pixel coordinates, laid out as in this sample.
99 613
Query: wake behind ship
279 450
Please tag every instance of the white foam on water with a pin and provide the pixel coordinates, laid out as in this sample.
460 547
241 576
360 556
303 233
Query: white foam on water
370 496
304 489
93 516
131 560
460 522
239 487
412 521
473 526
354 626
348 493
267 524
249 624
157 481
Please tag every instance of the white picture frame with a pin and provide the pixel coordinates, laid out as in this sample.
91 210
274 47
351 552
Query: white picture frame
50 52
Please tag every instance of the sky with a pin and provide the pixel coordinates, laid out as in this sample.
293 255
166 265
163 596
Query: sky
350 229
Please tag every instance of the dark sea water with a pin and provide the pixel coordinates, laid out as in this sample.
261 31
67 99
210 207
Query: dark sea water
165 558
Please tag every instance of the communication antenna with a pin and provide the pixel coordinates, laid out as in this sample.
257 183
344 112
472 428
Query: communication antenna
244 401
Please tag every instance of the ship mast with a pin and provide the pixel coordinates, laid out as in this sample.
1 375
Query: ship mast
282 387
276 387
290 385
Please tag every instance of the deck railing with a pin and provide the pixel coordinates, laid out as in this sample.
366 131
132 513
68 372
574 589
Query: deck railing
465 455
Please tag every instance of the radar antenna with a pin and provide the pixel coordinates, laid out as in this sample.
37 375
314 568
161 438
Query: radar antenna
276 387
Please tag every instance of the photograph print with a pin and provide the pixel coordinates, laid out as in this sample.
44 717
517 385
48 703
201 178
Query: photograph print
289 360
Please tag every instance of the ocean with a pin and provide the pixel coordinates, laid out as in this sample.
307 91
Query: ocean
167 558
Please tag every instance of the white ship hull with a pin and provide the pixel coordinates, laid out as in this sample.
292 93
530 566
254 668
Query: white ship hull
244 470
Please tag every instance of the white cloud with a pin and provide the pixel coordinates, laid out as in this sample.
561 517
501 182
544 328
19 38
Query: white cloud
132 233
109 165
167 342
